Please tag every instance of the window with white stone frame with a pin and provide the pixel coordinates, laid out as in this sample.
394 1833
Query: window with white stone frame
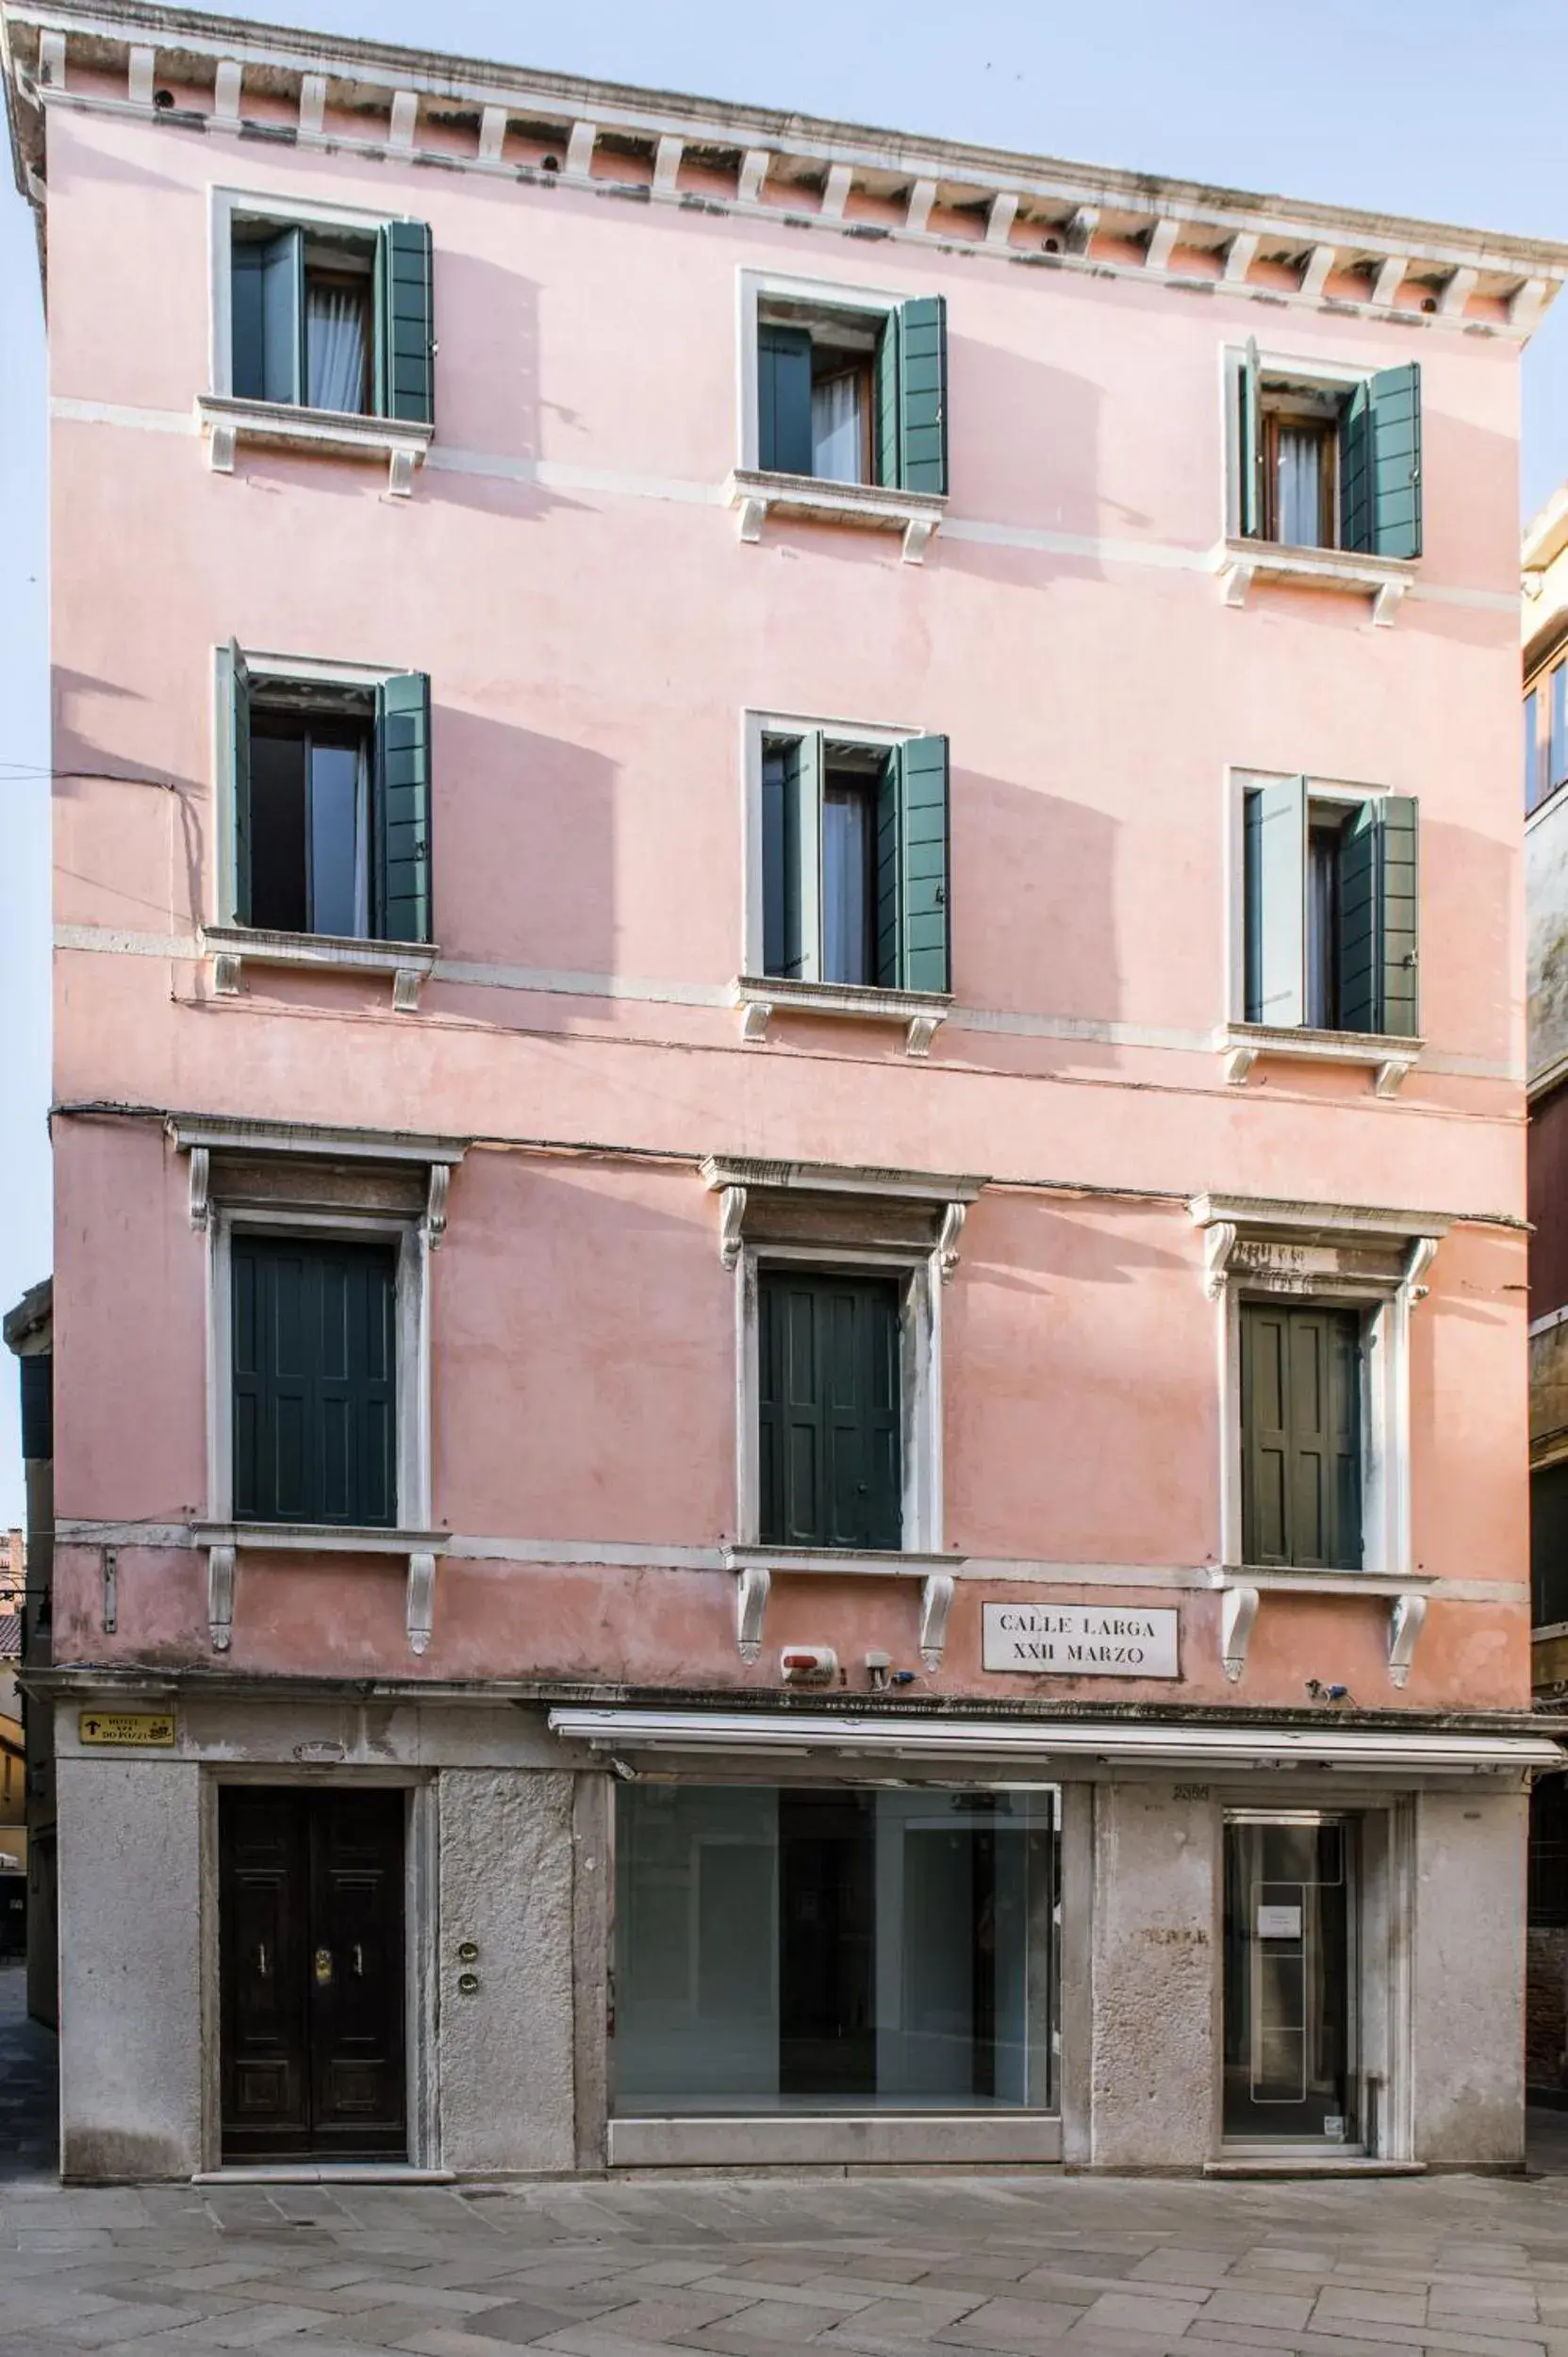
1360 1272
888 1241
358 1204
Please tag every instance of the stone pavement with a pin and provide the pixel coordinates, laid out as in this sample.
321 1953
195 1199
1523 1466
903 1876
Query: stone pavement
888 2266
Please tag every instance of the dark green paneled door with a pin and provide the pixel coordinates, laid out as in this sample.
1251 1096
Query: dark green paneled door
1301 1435
831 1460
315 1381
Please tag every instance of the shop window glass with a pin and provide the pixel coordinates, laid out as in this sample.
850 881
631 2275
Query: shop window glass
833 1950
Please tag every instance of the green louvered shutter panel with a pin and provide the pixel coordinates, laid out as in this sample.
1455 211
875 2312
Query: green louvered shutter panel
406 322
314 1381
1379 895
1275 902
403 807
1354 472
914 932
783 400
923 394
792 856
1301 1452
247 339
281 312
234 782
1250 444
830 1415
887 415
1380 465
1395 405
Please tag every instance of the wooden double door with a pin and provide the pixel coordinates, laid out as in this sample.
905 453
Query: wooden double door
311 1972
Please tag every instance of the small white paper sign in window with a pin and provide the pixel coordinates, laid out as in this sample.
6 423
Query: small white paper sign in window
1279 1922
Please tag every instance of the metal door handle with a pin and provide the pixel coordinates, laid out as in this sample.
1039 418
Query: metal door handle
324 1966
359 1961
264 1970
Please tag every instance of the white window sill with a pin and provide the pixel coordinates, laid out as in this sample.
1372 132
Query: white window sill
754 1567
1383 579
1390 1058
755 496
760 996
1242 1586
225 1541
226 422
231 948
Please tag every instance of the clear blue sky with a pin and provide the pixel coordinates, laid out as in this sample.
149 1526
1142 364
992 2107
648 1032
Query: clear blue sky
1451 108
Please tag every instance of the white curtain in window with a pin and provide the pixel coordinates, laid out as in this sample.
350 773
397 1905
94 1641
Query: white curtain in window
334 347
847 821
836 435
1301 454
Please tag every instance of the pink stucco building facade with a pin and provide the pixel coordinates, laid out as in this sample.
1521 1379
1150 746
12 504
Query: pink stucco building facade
790 1316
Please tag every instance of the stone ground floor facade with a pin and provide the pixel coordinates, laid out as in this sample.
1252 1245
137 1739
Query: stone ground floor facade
476 1938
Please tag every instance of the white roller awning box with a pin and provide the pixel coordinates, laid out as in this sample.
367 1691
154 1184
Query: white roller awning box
1385 1751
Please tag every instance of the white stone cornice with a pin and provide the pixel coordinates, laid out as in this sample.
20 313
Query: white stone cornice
117 40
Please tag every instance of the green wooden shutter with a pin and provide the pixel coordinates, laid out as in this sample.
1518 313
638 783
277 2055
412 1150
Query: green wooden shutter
783 399
914 933
234 780
404 322
922 329
1301 1452
830 1460
282 317
1379 915
402 815
247 339
1395 400
1275 902
1379 445
314 1381
792 856
1249 445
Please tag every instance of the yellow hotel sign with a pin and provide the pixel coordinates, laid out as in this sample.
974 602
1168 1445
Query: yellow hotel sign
135 1730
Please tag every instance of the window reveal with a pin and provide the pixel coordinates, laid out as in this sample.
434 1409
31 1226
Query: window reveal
830 1410
314 1381
851 395
1331 904
328 790
1302 1475
333 319
1326 465
310 824
854 862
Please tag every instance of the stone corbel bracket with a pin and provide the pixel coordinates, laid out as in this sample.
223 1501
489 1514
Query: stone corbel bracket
421 1616
936 1596
947 1243
201 1184
1419 1259
435 1213
1404 1623
732 1219
753 1583
1238 1610
1219 1241
220 1595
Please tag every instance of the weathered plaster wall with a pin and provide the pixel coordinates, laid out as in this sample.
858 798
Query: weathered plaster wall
130 1912
1155 1977
1468 1960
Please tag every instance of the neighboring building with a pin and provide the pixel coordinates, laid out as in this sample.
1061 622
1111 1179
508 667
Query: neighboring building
791 1368
1544 559
29 1332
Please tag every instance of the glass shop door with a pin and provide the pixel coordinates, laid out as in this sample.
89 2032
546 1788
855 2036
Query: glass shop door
1291 2070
